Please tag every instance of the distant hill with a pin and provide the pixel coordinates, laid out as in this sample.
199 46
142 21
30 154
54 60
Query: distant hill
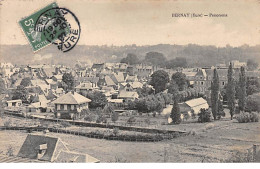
196 55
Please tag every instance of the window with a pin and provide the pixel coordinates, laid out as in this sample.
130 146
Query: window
223 83
201 83
72 107
62 107
58 107
65 107
201 77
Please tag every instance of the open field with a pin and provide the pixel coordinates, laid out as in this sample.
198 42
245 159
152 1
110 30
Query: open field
213 142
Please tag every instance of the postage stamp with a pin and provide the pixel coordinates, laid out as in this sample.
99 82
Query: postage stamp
52 25
35 38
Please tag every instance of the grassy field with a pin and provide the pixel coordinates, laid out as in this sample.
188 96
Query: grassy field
212 142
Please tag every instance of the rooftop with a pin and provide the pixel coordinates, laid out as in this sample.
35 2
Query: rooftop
71 98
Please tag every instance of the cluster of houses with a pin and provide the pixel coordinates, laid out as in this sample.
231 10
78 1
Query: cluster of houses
117 81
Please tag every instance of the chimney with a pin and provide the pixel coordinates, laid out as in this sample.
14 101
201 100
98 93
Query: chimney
41 149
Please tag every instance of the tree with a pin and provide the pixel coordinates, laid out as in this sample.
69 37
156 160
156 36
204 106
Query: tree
21 93
173 87
252 86
159 80
166 97
114 116
154 58
2 86
130 59
252 65
131 120
231 91
215 94
252 104
68 80
180 79
204 116
25 82
242 89
221 112
144 91
108 110
98 99
177 62
175 113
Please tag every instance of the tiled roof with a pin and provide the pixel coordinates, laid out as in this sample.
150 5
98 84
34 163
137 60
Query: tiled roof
10 101
49 71
71 98
87 85
97 66
56 151
109 81
196 102
58 77
59 91
38 82
131 78
29 147
136 84
127 94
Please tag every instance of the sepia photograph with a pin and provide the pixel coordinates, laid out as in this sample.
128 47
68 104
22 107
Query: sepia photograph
129 81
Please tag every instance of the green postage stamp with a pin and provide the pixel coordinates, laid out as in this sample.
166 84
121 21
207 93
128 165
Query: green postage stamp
48 26
35 38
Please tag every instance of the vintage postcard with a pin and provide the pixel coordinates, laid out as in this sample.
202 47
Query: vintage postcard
129 81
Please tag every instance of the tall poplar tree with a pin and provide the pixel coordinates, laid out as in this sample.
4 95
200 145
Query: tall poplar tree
242 89
175 113
215 94
231 91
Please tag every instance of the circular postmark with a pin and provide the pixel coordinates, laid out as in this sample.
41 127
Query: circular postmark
60 27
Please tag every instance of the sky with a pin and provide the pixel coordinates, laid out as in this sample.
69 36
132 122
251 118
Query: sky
145 22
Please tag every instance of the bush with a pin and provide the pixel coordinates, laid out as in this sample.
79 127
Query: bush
254 117
193 115
90 117
7 123
186 116
115 131
101 119
131 120
147 121
114 116
245 117
204 116
65 124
